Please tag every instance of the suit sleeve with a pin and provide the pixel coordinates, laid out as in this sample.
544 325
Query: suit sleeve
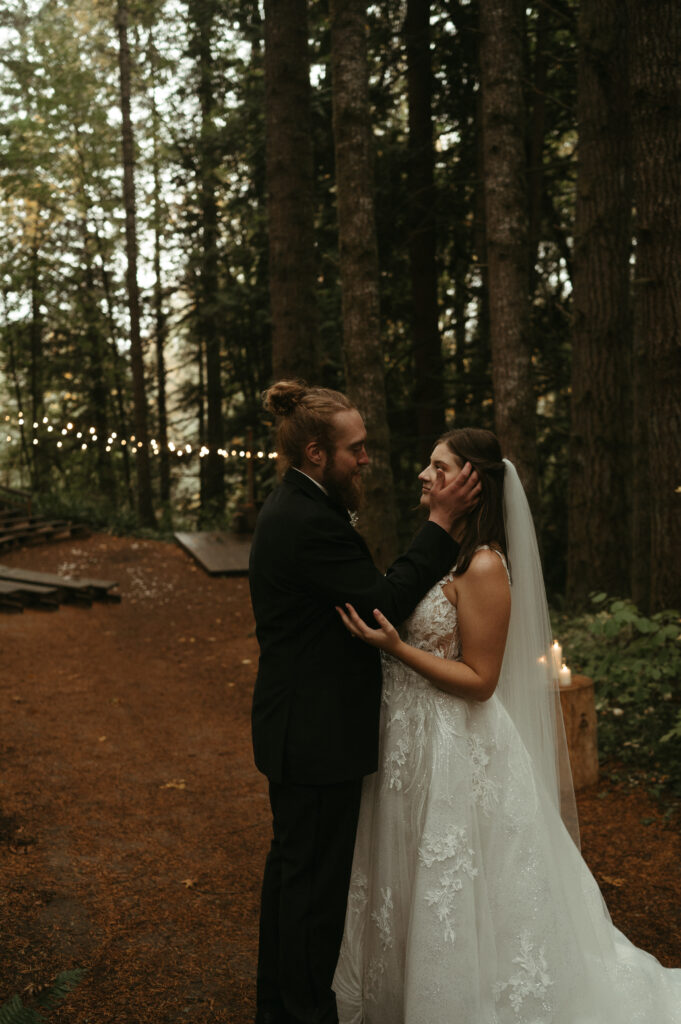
335 565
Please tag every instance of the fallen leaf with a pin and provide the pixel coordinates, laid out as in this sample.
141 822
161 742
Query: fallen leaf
189 883
102 738
174 784
245 661
612 881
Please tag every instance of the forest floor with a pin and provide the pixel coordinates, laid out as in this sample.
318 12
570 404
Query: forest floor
133 824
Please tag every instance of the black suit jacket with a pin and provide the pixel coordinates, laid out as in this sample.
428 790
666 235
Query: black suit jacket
317 694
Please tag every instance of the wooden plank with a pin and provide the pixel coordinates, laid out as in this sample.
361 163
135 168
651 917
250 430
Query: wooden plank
30 594
12 514
218 552
82 588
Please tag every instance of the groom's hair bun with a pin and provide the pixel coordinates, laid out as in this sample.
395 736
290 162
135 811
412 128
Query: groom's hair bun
304 413
283 397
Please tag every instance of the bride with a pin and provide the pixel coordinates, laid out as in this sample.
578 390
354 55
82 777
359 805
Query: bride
470 902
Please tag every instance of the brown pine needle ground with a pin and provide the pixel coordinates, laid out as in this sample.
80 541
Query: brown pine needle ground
133 825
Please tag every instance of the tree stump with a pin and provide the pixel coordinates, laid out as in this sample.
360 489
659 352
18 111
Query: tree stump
579 712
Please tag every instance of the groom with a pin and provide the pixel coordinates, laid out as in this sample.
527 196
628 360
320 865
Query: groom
317 694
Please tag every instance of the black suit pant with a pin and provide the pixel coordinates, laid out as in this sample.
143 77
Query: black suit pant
304 896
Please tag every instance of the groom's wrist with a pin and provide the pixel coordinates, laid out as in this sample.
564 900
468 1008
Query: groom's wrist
441 520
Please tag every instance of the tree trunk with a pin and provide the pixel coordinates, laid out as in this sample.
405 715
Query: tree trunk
97 375
290 184
479 363
13 375
160 318
119 366
537 126
144 497
504 118
655 80
202 14
363 353
429 398
600 439
40 461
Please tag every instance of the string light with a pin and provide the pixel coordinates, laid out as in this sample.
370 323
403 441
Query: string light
88 437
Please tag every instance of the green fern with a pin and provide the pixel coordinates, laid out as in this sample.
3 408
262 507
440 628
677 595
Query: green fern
64 983
14 1012
47 998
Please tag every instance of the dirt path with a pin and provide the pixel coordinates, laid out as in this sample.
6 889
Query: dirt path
134 824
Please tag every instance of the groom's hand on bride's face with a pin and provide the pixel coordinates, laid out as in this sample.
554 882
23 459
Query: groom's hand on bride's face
449 502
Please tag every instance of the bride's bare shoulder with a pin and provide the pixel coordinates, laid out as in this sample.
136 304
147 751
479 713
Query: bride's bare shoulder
487 568
486 571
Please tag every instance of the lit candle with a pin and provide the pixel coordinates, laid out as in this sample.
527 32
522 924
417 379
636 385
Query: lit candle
557 655
565 675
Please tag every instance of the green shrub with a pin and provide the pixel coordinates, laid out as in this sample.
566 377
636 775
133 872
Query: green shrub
635 662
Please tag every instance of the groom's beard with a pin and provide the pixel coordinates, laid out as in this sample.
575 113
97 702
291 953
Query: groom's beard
343 486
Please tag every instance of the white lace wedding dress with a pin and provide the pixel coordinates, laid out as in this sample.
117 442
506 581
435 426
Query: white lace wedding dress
469 901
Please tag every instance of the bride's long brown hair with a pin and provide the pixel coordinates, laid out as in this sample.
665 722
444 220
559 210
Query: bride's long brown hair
485 523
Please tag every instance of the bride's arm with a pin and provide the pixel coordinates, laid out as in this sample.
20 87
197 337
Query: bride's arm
483 607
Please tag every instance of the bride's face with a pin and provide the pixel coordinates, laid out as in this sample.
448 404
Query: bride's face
442 458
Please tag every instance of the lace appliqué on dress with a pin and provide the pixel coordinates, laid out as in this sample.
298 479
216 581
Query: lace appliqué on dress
358 893
485 790
394 761
531 979
449 845
383 918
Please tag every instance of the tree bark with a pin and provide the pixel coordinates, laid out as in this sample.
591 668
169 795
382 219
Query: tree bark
537 125
144 496
290 186
97 375
600 439
655 82
202 14
363 354
119 367
40 462
504 118
160 317
429 398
